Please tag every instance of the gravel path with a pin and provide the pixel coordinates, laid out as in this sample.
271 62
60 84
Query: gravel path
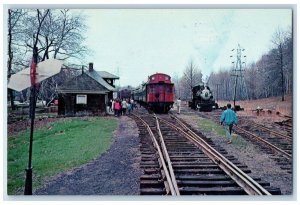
116 172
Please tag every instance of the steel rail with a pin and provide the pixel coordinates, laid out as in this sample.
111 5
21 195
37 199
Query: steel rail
250 186
249 181
271 131
167 157
285 154
169 184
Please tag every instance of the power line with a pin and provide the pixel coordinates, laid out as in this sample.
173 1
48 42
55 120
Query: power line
237 72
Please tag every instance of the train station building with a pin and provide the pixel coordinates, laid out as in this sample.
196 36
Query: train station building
87 93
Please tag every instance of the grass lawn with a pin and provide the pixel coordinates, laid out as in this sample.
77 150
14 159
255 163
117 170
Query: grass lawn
57 147
210 126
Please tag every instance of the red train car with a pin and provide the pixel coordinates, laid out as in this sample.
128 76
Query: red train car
157 94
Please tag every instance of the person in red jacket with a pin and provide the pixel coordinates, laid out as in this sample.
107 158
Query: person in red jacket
117 108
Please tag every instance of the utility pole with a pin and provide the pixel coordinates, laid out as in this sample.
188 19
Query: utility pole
237 72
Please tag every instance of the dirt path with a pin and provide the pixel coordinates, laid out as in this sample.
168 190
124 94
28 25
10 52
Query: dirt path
116 172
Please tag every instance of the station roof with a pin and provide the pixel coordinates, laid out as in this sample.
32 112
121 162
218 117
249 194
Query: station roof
105 74
96 76
88 82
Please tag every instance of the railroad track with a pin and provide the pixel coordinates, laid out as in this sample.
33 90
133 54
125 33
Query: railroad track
178 161
277 144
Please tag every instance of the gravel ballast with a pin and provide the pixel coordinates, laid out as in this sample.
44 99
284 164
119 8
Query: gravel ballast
260 164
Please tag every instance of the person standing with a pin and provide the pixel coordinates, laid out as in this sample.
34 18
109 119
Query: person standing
178 103
117 108
114 107
124 107
110 104
132 104
129 107
228 119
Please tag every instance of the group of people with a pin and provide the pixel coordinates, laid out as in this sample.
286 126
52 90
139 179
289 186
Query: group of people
227 119
121 107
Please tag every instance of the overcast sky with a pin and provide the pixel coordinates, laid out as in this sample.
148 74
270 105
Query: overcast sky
141 42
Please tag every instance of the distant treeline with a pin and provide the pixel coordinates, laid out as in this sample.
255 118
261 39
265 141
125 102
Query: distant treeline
271 75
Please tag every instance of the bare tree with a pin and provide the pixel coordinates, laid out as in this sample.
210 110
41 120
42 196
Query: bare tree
288 61
225 84
270 76
278 40
177 86
57 34
14 17
69 36
192 76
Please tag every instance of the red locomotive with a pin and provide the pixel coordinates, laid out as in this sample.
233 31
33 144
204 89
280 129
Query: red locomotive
157 94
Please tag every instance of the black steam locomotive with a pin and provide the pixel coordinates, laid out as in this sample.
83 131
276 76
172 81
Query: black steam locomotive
202 99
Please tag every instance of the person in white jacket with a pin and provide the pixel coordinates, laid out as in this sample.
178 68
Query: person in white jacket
112 105
178 103
124 107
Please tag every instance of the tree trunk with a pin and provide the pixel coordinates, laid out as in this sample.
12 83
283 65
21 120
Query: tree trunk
10 58
282 77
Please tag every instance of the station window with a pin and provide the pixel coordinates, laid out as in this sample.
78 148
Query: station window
166 78
81 99
153 78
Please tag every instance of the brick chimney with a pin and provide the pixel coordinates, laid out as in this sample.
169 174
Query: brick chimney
91 68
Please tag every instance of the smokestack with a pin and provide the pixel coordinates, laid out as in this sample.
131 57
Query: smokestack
91 67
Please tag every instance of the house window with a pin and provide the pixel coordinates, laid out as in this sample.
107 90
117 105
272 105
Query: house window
81 99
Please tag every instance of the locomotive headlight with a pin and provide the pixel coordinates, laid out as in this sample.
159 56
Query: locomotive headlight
205 94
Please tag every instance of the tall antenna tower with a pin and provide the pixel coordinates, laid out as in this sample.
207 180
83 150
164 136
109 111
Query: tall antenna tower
237 71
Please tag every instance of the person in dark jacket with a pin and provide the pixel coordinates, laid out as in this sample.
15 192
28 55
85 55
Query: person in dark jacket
228 119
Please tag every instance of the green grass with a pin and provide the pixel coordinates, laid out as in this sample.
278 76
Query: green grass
56 148
209 126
